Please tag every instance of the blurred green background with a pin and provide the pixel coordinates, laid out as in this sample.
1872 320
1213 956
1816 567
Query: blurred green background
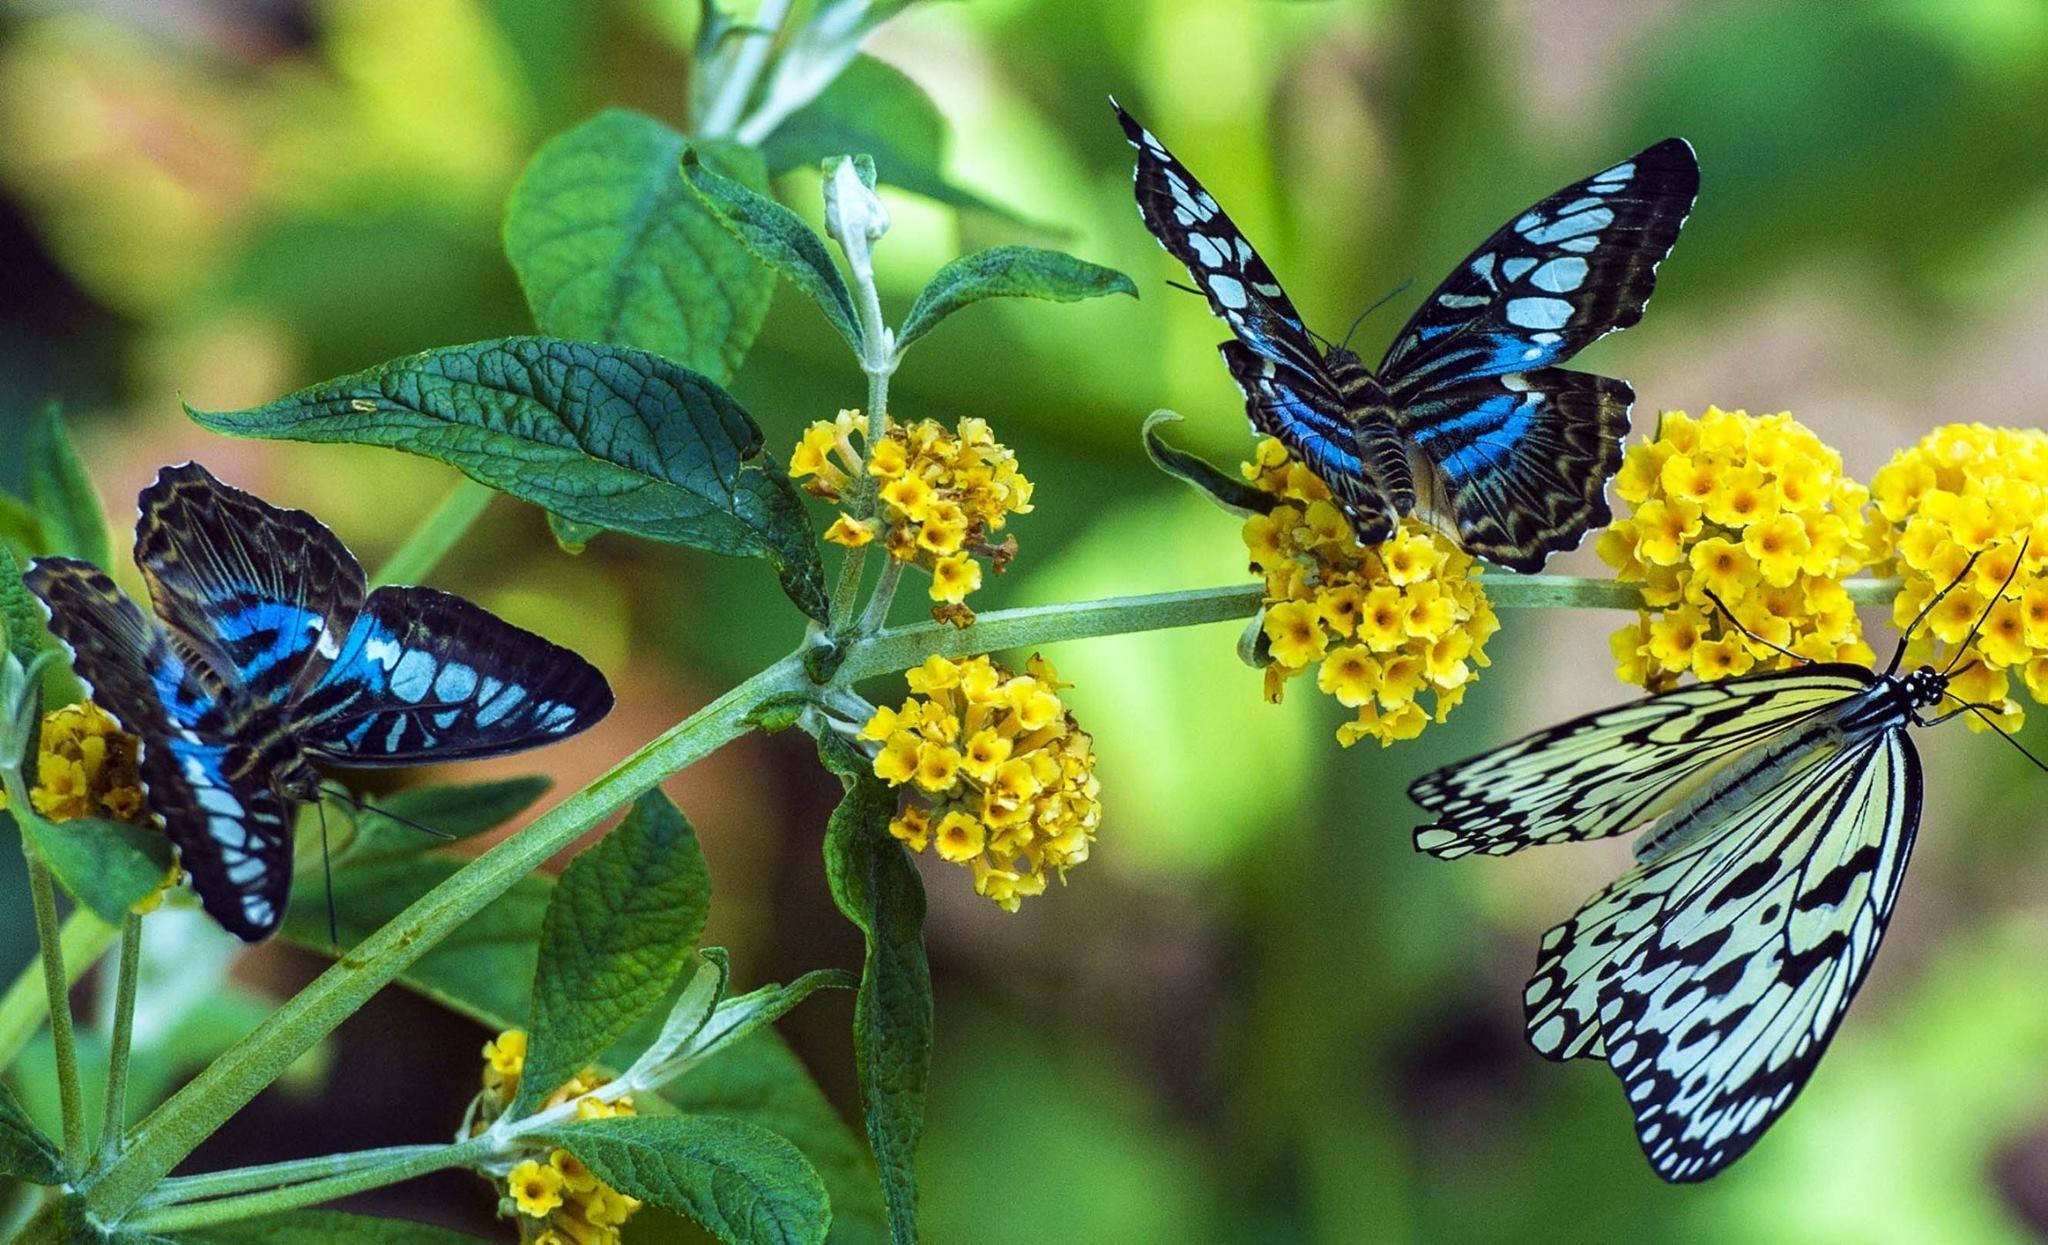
1255 1014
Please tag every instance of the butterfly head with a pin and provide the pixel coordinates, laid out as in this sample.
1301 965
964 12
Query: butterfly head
1925 686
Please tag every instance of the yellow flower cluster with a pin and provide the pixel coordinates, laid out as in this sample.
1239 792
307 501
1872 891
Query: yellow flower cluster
1967 489
559 1201
1756 510
1001 779
1382 624
940 496
85 767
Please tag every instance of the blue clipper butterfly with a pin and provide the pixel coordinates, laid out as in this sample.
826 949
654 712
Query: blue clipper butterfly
269 654
1781 808
1467 423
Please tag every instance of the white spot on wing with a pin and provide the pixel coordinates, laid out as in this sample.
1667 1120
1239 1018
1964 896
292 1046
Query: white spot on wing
1538 313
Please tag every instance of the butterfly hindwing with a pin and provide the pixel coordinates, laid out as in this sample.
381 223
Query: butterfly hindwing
1609 772
1711 977
263 594
1578 265
229 827
425 676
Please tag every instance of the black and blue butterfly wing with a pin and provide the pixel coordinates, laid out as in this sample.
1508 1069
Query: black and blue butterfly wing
231 829
1472 376
1291 392
262 594
424 676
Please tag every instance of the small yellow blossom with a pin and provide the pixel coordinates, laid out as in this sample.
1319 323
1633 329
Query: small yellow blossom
556 1197
85 767
535 1188
939 496
1967 490
999 777
1756 511
1380 625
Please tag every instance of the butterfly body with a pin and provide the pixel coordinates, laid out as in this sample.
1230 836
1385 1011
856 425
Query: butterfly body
1781 810
268 658
1467 423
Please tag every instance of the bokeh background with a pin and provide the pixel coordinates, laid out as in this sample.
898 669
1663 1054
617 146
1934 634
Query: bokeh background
1256 1014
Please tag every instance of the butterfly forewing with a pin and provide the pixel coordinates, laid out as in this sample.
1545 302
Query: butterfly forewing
1711 978
426 676
1610 772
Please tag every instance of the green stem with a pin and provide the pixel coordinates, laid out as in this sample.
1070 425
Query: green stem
56 987
115 1114
846 596
876 614
861 501
899 648
171 1132
82 940
743 71
436 534
419 1162
184 1189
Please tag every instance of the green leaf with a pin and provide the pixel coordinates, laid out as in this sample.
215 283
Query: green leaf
326 1227
1008 272
875 108
623 920
571 536
737 1018
605 435
457 810
20 530
61 492
22 614
1226 490
780 239
25 1153
739 1181
610 246
109 866
877 888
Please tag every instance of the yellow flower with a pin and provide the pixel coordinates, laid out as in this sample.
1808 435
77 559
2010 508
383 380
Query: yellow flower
1017 800
85 767
938 498
534 1188
1967 490
1757 511
1380 624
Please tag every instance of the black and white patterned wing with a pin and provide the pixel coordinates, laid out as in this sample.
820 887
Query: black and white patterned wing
261 594
1609 772
231 829
425 676
1712 976
1573 268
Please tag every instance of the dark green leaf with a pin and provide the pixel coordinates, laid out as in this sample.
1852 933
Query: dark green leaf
1226 490
1008 272
625 915
25 1154
610 246
20 611
108 866
739 1181
737 1018
878 889
605 435
873 107
326 1227
780 239
62 492
457 810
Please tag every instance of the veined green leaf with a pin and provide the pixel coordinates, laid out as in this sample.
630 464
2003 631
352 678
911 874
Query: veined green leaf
739 1181
62 492
875 108
1008 272
109 866
1226 490
457 810
877 888
25 1154
625 915
606 435
326 1227
780 239
611 246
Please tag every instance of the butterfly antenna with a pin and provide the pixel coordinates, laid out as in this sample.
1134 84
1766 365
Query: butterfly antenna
1383 300
327 872
1999 731
1899 653
1752 636
342 794
1990 605
1180 285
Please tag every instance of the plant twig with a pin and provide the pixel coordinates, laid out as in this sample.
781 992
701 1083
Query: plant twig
436 534
420 1161
114 1116
43 895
